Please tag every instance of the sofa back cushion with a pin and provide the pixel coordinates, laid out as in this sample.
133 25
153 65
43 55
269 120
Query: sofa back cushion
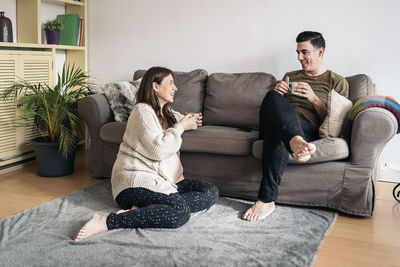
234 99
360 85
191 86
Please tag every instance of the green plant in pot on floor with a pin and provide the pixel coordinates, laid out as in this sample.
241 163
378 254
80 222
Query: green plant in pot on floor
52 111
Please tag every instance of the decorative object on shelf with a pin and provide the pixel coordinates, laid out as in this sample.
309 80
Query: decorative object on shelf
396 192
52 112
52 28
6 34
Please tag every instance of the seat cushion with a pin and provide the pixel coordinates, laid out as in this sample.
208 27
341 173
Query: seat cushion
113 132
234 99
219 140
328 149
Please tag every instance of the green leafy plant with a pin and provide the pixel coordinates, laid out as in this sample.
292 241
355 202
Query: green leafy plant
52 25
52 111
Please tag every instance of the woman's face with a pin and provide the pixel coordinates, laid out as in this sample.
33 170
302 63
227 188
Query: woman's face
166 90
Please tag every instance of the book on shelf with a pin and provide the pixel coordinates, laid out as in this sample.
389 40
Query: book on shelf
82 26
79 32
70 31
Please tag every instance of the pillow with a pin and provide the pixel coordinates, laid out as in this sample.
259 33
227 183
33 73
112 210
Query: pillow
234 99
191 87
122 97
338 107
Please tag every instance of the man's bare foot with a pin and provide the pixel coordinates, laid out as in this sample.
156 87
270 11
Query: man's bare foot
302 150
96 225
122 211
259 211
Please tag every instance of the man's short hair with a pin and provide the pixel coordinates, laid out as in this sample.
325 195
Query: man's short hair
315 37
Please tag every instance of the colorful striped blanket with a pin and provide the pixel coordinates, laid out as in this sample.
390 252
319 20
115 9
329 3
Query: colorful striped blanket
365 102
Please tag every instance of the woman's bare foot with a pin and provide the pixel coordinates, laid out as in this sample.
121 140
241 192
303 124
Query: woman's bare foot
122 211
96 225
259 211
302 150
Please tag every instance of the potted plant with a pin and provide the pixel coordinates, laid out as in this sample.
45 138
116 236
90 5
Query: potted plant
52 28
52 111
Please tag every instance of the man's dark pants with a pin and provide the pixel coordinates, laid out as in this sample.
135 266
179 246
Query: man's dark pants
279 123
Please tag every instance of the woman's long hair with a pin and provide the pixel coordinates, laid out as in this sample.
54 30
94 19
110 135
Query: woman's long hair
147 95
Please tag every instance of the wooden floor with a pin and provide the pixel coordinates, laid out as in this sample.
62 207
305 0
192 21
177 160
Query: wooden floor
352 241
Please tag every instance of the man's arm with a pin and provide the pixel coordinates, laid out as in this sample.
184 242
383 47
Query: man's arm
319 107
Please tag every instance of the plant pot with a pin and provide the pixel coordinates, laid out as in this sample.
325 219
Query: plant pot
52 37
50 162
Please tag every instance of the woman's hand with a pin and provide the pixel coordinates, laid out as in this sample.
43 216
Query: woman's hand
189 122
199 119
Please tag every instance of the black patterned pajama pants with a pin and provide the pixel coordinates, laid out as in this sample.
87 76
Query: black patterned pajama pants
157 210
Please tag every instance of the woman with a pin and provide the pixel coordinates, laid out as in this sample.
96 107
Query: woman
147 177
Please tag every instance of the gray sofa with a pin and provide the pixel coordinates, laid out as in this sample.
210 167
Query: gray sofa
226 150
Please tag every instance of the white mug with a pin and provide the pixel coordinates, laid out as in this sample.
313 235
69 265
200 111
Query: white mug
293 88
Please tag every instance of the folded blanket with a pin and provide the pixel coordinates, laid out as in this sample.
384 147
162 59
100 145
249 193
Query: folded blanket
365 102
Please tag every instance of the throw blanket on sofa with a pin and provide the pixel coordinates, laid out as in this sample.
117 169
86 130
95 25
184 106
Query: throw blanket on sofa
365 102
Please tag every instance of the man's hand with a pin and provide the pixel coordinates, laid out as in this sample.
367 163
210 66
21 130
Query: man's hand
304 90
283 86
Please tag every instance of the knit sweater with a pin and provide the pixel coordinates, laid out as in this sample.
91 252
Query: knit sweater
144 151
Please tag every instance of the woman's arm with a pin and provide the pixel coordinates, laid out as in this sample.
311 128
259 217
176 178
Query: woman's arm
153 142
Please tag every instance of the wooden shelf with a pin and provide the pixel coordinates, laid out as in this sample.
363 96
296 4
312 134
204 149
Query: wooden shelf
69 2
44 46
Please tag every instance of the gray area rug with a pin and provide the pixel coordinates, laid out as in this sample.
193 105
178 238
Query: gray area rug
42 236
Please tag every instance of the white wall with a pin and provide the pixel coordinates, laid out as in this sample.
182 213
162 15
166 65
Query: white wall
242 36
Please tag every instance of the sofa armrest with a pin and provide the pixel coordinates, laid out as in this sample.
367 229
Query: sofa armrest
372 129
95 110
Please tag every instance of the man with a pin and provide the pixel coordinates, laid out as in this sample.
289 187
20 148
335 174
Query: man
288 121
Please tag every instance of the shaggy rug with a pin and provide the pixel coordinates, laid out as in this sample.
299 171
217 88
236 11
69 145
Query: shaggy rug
42 236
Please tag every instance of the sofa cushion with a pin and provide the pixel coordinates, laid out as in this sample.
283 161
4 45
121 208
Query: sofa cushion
337 109
122 97
218 140
113 132
328 149
234 99
360 85
191 86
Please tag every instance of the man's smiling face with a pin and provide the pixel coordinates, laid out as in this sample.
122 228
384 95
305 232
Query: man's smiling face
309 57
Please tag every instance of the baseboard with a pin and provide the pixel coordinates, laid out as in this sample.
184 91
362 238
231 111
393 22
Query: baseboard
16 165
389 175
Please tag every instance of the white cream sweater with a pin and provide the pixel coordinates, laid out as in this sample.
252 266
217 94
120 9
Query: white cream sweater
142 156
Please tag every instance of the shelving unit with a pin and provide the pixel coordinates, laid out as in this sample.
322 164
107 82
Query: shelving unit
29 29
34 61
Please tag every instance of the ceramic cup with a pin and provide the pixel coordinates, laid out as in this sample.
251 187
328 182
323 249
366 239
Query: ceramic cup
293 87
